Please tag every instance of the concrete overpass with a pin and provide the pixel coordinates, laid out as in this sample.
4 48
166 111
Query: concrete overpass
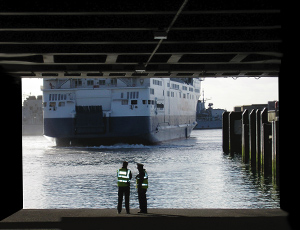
116 39
141 38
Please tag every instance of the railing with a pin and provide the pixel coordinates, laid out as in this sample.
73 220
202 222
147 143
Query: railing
58 87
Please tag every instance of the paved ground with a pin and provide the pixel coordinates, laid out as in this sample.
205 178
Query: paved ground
224 219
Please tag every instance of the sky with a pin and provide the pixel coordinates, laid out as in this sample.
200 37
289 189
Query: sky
224 93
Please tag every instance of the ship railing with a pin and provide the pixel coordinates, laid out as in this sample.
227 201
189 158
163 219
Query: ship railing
126 81
64 82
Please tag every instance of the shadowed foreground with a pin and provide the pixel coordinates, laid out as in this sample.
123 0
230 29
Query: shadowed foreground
253 219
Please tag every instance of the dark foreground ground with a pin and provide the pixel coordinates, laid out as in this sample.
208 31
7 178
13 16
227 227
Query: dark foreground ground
230 219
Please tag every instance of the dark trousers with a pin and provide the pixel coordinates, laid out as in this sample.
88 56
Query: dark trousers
142 200
126 191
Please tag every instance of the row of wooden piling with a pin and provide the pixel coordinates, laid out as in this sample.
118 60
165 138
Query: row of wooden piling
254 135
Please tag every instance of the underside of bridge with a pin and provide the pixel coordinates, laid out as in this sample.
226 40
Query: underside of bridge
189 38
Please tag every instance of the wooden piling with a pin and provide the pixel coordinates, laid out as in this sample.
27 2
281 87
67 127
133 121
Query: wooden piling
266 143
235 133
275 153
256 137
266 151
245 136
258 111
252 139
225 132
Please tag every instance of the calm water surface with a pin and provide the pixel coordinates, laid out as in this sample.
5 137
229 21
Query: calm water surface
189 173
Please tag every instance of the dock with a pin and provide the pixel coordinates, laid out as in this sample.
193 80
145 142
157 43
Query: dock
253 132
155 219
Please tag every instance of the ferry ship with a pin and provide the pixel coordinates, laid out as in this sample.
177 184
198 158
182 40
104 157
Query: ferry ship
100 111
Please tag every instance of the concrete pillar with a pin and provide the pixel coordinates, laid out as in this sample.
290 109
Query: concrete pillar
235 133
225 132
252 140
11 162
245 136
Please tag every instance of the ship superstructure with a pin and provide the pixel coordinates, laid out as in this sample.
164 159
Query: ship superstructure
93 111
208 118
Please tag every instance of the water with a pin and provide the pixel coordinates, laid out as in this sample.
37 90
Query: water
189 173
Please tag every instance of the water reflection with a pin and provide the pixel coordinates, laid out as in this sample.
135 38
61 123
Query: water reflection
190 173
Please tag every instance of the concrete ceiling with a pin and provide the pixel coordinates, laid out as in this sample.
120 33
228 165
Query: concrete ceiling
116 38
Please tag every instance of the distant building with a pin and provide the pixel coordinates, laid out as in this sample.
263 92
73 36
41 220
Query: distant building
32 116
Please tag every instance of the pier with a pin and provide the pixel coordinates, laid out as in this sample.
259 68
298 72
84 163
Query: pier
253 132
217 219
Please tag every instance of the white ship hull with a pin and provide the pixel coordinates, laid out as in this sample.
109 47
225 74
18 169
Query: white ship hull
104 111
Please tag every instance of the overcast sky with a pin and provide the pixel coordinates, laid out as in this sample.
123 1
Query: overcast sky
224 93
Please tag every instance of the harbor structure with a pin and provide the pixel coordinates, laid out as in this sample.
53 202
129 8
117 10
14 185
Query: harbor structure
255 135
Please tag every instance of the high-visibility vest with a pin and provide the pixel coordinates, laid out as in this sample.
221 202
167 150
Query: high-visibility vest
123 177
145 181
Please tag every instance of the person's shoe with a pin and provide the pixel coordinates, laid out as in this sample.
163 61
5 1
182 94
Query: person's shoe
142 212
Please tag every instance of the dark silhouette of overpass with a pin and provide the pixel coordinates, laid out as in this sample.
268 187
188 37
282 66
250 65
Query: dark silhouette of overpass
126 38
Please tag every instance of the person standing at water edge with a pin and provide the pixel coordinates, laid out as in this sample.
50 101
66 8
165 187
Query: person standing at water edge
124 176
142 185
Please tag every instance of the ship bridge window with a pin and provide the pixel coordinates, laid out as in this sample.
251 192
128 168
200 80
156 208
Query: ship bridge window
175 86
124 102
52 104
184 88
78 82
61 104
134 102
132 95
90 82
151 91
191 89
160 106
157 82
113 81
57 97
101 82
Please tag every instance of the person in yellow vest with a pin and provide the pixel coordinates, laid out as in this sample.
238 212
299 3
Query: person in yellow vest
142 185
124 176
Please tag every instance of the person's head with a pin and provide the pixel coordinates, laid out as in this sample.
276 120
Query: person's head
125 163
140 167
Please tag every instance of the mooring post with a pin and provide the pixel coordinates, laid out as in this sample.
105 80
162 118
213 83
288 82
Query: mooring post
245 136
225 132
252 139
266 143
275 152
235 133
258 111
